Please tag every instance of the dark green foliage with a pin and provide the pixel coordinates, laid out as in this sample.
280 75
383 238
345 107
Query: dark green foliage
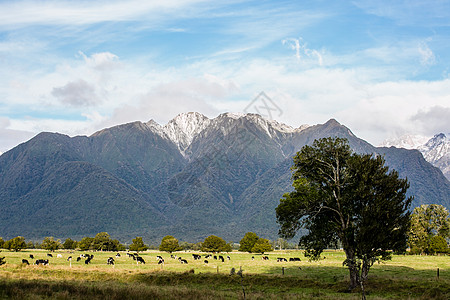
1 242
86 244
214 244
346 197
169 244
138 245
261 246
248 241
438 245
50 244
18 243
69 244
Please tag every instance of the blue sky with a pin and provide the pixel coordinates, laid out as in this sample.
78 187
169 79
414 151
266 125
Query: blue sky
382 68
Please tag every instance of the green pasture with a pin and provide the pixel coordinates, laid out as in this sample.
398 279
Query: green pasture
403 277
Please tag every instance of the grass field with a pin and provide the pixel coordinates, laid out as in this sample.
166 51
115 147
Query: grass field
404 277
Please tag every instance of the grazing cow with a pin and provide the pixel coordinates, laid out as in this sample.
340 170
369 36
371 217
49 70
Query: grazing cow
159 257
215 257
49 255
31 256
78 258
265 258
221 258
208 256
228 257
42 262
253 258
69 258
2 261
24 261
110 261
161 261
88 259
196 256
183 261
117 255
205 261
281 259
140 260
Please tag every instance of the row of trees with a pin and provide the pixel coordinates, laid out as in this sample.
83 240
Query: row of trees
103 242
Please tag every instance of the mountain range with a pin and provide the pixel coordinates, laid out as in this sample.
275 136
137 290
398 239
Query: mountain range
190 178
435 150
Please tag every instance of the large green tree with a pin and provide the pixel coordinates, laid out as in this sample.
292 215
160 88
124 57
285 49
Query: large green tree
18 243
354 199
69 244
261 246
86 243
214 244
50 244
428 222
138 245
248 241
169 244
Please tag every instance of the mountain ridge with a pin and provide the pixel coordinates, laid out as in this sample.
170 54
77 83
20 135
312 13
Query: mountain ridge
224 176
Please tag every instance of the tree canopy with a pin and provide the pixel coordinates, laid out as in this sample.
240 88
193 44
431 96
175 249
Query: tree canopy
169 244
261 246
340 196
50 244
248 241
69 244
215 244
18 243
430 227
138 245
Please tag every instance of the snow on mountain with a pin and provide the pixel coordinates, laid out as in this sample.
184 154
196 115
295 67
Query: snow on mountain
186 126
406 142
183 128
435 150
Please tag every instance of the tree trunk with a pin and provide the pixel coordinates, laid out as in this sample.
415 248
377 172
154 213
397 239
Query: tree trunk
353 269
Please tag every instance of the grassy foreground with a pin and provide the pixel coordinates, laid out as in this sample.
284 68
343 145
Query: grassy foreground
404 277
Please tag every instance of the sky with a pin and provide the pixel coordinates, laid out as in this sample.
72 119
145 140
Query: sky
381 68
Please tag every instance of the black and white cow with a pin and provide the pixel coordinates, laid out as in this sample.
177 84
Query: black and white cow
140 260
24 261
42 262
110 261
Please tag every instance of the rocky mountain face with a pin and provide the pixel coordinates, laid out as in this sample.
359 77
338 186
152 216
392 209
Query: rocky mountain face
435 150
190 178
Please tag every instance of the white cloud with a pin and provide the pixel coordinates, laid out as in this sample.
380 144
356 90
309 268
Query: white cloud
23 13
301 50
427 57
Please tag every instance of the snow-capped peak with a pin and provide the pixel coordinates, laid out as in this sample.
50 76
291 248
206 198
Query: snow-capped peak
435 150
185 127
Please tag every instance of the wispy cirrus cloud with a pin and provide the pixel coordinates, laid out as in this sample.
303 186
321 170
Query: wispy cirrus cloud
25 13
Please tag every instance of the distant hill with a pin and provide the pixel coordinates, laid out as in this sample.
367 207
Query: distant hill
191 178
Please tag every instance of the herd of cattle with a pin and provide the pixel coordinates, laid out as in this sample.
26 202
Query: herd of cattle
140 260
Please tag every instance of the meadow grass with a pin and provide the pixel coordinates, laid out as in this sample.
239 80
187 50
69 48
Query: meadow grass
403 277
